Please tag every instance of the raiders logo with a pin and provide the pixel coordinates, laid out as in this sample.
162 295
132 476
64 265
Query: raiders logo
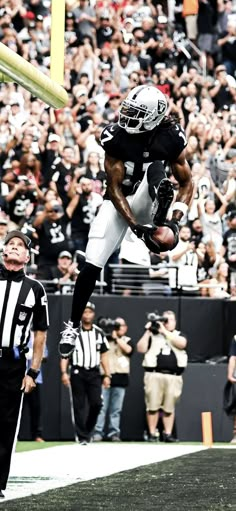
22 316
161 106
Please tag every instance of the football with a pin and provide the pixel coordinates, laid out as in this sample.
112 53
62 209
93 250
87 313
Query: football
164 236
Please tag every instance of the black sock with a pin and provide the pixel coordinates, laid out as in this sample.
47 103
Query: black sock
84 287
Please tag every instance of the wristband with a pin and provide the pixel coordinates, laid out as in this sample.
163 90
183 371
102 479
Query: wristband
180 206
107 376
33 373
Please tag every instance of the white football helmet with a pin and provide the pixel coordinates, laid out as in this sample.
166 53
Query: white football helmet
142 110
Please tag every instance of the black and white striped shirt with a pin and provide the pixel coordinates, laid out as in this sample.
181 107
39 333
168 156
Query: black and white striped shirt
89 345
23 307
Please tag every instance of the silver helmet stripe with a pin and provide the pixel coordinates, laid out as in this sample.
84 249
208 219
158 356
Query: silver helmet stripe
137 93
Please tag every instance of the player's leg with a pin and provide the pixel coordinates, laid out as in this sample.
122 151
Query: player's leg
106 234
154 195
161 191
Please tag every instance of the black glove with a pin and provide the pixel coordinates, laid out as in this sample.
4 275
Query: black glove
142 230
173 224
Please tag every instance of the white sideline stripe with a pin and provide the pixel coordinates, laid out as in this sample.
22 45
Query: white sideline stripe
38 471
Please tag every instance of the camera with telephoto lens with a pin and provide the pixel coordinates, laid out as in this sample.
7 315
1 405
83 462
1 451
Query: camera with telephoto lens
108 325
155 320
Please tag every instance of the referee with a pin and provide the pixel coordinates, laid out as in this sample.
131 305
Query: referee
23 307
85 378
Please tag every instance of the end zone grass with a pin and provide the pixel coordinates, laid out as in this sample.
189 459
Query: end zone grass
202 481
32 446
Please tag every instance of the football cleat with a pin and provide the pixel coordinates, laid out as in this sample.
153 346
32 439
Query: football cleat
68 340
162 202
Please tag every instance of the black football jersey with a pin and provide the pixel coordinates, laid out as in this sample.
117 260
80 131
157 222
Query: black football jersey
52 238
164 143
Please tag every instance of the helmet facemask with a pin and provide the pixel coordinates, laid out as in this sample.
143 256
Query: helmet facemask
136 118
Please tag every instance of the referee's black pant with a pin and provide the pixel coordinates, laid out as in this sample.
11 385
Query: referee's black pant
86 386
11 374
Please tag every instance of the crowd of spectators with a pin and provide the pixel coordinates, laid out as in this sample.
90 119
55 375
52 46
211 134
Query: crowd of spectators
51 162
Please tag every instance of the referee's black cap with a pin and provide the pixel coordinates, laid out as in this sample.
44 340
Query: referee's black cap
17 234
90 305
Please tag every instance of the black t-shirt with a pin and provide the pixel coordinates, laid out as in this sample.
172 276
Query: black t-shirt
223 97
229 242
165 142
229 48
122 379
104 35
83 216
18 205
52 238
232 350
62 177
49 159
166 360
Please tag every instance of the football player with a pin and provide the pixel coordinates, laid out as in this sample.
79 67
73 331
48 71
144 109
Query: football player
138 191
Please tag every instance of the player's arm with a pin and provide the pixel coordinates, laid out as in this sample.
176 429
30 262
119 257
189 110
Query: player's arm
182 174
231 369
115 172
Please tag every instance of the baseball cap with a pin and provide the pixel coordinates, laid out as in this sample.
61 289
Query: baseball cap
70 15
65 253
81 92
90 305
54 138
17 234
91 101
129 20
105 15
3 12
114 95
3 221
104 66
162 19
232 214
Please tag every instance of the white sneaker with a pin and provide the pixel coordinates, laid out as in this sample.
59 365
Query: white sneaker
68 340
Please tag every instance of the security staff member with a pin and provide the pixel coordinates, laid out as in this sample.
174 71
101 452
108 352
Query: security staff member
85 378
23 306
164 361
232 377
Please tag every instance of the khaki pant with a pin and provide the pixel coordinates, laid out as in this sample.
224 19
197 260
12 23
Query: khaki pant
162 391
191 26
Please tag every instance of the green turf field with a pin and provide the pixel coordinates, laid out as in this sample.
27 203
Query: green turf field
203 481
32 446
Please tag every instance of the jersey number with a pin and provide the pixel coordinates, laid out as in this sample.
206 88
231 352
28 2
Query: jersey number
106 136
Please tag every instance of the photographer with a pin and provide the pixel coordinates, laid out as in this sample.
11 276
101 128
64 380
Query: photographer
232 378
164 361
119 354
